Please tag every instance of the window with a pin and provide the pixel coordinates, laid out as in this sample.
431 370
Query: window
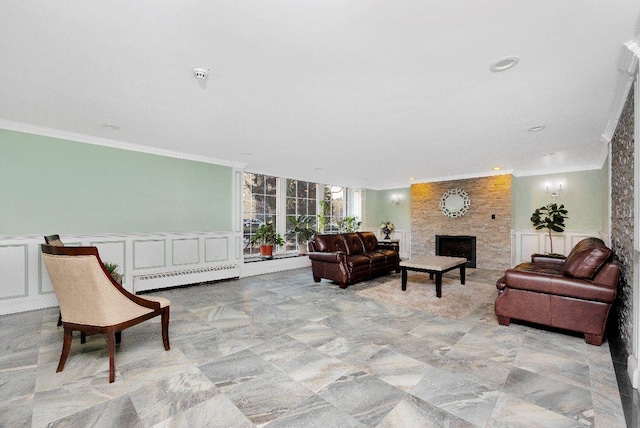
333 207
301 201
266 198
260 200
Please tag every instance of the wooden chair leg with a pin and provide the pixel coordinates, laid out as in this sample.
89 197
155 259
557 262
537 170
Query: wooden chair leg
164 318
111 339
66 346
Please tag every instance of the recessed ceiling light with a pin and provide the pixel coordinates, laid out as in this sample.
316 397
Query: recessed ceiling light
110 126
245 153
318 169
536 128
504 64
497 168
412 178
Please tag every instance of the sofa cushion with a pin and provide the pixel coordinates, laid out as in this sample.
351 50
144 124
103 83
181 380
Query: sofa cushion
352 243
376 257
329 243
369 241
586 258
358 260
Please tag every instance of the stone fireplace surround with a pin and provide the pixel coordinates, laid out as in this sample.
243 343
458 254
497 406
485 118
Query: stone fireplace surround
488 218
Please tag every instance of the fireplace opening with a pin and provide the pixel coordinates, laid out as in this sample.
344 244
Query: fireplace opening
457 246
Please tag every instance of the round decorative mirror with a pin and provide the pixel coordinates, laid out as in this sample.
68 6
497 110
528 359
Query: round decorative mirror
455 203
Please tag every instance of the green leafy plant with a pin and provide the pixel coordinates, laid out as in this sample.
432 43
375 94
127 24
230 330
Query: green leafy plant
322 217
349 224
550 217
301 226
266 235
111 267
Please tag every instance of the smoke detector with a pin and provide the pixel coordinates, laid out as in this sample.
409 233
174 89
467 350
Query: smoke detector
200 73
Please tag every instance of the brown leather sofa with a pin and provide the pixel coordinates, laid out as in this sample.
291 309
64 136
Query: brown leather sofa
351 257
573 293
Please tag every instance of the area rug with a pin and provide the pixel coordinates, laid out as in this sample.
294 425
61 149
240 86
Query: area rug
458 301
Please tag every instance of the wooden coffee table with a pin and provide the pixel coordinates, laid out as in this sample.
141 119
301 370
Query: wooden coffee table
433 265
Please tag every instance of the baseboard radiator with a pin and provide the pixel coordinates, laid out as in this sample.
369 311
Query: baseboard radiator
158 280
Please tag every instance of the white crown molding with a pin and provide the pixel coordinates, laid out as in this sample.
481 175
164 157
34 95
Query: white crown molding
558 171
627 68
105 142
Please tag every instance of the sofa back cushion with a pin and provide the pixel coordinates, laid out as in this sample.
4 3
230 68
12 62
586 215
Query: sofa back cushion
329 243
352 243
369 241
586 258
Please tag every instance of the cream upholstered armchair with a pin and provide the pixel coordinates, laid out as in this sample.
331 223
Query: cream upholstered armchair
93 303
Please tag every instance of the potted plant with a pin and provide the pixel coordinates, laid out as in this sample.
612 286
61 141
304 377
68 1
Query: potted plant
550 217
301 227
349 224
266 237
322 217
112 268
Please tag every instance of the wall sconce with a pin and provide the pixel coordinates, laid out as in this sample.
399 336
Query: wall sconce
396 198
554 191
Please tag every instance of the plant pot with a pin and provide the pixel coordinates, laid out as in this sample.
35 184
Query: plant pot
266 251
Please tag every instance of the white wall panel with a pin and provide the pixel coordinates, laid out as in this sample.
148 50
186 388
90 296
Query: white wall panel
527 242
149 253
13 271
112 252
216 249
185 251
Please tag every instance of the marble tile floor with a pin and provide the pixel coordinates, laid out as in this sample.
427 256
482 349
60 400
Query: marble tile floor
279 350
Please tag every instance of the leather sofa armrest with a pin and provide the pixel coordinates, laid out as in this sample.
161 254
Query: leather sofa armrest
554 259
608 276
329 257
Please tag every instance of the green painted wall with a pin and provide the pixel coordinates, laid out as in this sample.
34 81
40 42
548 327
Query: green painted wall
379 207
50 185
584 194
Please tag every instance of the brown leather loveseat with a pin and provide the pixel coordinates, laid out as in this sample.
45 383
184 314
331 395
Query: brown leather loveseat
573 293
351 257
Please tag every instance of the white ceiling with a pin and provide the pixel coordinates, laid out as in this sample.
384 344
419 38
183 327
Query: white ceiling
348 92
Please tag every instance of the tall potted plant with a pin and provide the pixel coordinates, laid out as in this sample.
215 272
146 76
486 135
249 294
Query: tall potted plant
266 237
550 217
301 227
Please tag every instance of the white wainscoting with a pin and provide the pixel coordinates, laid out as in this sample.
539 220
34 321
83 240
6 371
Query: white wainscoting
146 262
527 242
